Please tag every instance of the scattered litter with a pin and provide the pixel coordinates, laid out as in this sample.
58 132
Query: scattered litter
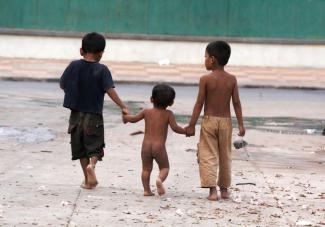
165 207
310 131
136 133
278 175
304 223
240 143
179 212
246 183
237 198
41 188
164 61
191 150
65 203
304 207
94 197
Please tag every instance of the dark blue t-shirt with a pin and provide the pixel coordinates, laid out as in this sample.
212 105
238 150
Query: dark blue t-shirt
85 84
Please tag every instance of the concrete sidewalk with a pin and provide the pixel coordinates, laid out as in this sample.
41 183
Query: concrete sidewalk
51 70
277 180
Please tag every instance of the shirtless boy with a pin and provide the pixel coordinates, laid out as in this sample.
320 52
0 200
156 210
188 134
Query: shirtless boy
156 120
216 90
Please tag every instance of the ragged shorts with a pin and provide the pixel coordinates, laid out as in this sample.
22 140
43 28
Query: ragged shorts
87 135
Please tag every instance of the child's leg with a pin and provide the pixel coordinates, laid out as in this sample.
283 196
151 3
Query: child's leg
161 158
145 176
92 180
84 162
146 169
224 178
208 156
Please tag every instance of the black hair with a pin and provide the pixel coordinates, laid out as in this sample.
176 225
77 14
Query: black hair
163 95
220 50
93 43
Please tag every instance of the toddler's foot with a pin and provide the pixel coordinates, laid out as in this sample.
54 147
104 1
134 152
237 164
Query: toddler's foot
92 180
160 187
224 193
148 193
85 185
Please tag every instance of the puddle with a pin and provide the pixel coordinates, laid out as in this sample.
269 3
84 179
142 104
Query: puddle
26 134
280 125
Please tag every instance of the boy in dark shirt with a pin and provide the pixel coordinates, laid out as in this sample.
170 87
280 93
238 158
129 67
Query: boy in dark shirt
156 120
85 83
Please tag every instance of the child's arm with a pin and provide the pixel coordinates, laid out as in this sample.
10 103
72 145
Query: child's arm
64 77
114 96
190 130
238 111
133 118
175 127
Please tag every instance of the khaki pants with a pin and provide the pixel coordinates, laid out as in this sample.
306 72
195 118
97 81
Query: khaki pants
214 152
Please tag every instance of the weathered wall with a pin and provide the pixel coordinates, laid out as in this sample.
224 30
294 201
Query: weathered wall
284 19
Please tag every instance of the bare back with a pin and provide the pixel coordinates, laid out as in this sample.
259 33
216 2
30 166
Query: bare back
219 89
156 125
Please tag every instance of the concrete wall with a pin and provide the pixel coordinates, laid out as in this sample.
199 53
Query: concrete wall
152 51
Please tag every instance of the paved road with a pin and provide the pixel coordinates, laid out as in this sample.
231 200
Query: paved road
39 184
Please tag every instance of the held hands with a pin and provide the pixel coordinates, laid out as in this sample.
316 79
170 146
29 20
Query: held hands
189 131
125 112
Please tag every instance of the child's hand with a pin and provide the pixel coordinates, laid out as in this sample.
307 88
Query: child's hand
125 111
241 131
190 131
124 118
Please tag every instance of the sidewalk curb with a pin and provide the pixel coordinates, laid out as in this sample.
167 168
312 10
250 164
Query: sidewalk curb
173 83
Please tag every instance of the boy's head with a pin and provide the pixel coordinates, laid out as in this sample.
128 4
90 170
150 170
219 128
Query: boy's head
93 43
219 51
163 95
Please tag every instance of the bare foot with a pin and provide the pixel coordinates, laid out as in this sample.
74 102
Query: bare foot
92 180
213 196
148 193
160 187
224 193
85 185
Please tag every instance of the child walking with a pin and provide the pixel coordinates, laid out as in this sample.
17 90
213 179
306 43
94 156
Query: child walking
85 83
216 89
156 120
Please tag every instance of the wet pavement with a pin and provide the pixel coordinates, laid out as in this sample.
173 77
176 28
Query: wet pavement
266 109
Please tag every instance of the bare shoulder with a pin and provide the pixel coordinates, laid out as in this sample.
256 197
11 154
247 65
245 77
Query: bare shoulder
145 111
206 78
230 76
169 112
232 81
